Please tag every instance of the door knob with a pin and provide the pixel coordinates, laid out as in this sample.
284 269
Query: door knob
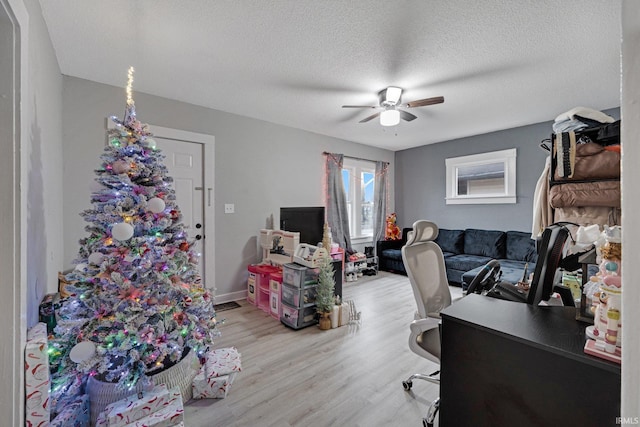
198 225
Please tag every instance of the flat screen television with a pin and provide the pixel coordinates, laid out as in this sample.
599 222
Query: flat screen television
308 221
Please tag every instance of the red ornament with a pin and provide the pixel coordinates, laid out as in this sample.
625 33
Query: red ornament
184 246
187 301
180 317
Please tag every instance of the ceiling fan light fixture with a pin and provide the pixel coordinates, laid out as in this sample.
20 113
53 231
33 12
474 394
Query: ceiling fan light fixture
390 118
393 94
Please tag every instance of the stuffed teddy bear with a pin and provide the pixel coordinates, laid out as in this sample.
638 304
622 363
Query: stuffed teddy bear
392 231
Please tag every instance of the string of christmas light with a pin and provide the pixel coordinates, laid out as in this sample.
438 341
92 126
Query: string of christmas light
333 159
130 86
330 157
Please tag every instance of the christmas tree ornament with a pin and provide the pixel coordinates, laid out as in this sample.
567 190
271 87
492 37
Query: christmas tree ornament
82 351
122 231
120 166
151 143
81 267
96 258
156 205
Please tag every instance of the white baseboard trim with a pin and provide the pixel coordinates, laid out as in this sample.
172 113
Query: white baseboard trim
232 296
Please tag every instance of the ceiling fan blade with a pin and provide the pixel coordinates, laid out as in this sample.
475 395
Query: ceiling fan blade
371 117
360 106
424 102
404 115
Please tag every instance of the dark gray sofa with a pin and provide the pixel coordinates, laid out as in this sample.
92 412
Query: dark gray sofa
390 255
467 251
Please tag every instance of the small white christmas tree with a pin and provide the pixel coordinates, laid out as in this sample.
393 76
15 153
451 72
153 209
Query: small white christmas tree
326 286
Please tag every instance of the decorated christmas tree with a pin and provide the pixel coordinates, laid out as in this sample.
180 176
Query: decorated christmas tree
137 304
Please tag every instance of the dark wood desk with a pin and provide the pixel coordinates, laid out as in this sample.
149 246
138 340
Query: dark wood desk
511 364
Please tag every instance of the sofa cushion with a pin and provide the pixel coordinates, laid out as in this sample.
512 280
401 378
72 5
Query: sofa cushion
451 241
464 262
405 233
521 247
488 243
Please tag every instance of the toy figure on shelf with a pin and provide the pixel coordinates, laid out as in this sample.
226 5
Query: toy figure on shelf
277 247
392 231
607 328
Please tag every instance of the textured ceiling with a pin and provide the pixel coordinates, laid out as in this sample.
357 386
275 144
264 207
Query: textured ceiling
499 64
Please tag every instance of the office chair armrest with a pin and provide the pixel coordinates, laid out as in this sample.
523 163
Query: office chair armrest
419 327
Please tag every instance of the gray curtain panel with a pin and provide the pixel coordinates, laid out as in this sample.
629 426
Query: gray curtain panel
380 202
337 214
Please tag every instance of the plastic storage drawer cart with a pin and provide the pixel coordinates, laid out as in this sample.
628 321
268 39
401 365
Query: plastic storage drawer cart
298 318
299 297
299 275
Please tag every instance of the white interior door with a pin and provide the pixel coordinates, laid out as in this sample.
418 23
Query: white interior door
184 160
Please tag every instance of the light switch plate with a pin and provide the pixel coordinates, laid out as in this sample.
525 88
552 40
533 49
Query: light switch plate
229 208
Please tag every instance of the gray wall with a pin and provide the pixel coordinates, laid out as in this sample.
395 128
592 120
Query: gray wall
259 167
420 179
43 161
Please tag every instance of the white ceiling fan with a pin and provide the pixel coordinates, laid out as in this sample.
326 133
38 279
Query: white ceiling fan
390 104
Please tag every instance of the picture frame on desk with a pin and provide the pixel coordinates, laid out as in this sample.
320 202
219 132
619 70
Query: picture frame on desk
583 313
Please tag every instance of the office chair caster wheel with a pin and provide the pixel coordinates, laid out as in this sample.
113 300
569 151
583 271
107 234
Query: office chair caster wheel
431 413
407 385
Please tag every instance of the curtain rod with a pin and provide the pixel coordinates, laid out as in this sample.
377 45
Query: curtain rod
354 158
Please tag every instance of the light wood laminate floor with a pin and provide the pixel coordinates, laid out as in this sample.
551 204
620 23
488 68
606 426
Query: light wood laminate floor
348 376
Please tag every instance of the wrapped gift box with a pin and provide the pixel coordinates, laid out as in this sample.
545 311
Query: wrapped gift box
132 408
210 387
170 414
224 361
37 381
75 414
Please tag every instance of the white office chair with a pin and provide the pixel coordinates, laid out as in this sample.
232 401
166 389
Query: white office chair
424 263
